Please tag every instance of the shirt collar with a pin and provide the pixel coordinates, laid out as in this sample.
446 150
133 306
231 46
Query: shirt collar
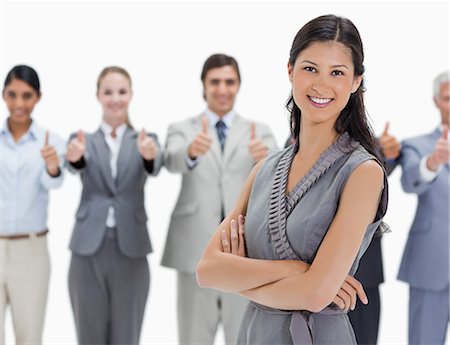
107 129
33 131
5 129
213 118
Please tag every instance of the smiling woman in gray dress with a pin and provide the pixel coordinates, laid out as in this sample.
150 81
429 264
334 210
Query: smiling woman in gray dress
312 208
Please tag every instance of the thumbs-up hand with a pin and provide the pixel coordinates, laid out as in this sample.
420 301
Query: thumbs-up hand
256 147
50 157
202 142
76 148
390 146
441 153
146 146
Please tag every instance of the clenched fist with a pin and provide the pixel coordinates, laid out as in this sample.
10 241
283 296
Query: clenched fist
256 147
76 148
201 143
50 157
390 147
441 153
146 146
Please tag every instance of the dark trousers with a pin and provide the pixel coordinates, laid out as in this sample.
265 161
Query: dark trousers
365 319
108 292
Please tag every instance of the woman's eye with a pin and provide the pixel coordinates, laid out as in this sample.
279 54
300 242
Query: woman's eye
123 92
337 73
309 69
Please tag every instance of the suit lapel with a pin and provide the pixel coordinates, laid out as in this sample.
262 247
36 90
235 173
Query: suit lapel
237 133
103 156
125 152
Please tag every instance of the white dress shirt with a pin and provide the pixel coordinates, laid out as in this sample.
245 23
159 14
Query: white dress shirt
114 147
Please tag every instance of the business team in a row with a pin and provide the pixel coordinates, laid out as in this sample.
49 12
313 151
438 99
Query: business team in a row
214 152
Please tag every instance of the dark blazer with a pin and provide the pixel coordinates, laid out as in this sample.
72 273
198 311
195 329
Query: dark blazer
125 194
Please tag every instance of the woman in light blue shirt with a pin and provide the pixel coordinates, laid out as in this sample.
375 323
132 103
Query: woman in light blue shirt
31 161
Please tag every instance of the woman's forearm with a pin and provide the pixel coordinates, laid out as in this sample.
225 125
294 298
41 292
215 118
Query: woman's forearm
290 293
232 273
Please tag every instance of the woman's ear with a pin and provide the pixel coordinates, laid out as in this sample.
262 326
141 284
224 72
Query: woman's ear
357 83
290 71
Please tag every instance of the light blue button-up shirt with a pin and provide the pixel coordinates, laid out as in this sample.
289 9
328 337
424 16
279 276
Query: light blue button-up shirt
24 180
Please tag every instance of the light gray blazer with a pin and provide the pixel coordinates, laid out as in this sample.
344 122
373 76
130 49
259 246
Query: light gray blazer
425 262
214 183
125 194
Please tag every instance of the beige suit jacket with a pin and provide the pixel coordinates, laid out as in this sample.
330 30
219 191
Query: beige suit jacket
214 183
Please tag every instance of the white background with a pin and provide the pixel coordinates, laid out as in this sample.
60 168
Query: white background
163 45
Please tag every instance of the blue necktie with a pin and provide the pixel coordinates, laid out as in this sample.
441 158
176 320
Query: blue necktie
221 127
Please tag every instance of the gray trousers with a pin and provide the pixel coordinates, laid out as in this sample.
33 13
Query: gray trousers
428 316
108 292
200 311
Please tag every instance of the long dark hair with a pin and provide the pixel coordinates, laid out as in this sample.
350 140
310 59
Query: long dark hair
25 74
353 117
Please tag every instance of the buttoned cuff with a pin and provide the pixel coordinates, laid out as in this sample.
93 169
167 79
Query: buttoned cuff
191 163
427 174
51 182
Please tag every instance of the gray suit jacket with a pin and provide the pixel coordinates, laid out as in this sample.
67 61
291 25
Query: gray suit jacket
425 262
125 194
213 184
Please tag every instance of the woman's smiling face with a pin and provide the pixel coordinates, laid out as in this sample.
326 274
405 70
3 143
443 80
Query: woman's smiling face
322 81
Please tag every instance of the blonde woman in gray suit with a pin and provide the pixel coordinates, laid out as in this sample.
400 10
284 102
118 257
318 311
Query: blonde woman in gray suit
109 275
214 152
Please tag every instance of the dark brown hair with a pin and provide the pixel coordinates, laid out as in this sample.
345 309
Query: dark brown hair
217 61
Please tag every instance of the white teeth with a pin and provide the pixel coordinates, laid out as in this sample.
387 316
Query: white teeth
320 100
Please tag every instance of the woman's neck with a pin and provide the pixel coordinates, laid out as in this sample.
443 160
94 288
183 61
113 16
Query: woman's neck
316 138
114 124
18 129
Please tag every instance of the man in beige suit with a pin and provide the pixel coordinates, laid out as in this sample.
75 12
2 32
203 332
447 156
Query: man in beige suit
214 152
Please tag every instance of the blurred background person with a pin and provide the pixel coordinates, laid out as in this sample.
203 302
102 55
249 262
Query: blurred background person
214 152
109 275
425 261
31 164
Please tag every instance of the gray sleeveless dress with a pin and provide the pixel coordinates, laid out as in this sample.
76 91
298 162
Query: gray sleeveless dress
293 227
